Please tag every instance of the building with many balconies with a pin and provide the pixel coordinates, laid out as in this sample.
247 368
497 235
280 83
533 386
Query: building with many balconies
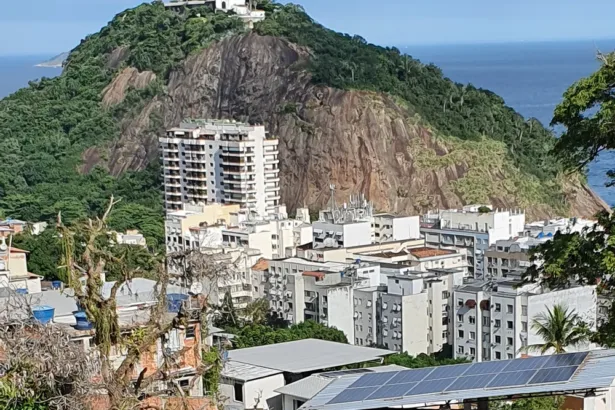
212 161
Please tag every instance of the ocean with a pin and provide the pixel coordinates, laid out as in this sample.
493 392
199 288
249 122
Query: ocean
531 77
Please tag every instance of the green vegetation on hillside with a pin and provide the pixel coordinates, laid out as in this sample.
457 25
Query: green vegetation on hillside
462 111
47 126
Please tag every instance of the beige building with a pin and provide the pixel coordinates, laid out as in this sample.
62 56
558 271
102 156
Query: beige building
14 267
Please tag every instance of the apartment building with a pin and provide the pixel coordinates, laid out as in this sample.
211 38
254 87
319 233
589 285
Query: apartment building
510 258
493 318
213 161
473 228
388 227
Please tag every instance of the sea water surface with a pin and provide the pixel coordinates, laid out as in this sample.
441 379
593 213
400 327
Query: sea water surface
531 77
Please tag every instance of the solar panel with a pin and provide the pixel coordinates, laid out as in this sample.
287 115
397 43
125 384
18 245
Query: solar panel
447 371
350 395
561 360
486 367
431 386
392 391
345 372
410 376
529 363
471 382
512 378
373 379
552 375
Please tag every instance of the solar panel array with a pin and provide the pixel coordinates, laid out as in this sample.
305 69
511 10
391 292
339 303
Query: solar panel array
485 375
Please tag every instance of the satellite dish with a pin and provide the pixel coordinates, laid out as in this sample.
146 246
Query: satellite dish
196 288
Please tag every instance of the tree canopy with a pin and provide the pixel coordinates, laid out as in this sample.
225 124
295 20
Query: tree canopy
258 335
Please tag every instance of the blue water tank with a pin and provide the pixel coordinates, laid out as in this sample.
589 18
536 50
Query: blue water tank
358 261
56 284
174 301
21 291
43 314
82 321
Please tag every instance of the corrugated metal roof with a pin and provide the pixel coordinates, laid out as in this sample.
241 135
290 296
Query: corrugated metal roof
310 386
597 372
246 372
306 355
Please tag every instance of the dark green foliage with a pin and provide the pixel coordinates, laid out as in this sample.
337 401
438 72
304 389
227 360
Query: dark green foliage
44 252
136 259
537 403
47 126
586 258
349 62
422 360
259 335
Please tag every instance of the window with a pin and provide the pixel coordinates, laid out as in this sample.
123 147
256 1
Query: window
460 349
509 356
498 355
297 404
524 326
498 339
472 336
485 321
445 294
472 351
472 319
498 307
190 332
524 310
460 334
460 318
498 323
509 309
509 341
459 302
509 324
238 392
184 384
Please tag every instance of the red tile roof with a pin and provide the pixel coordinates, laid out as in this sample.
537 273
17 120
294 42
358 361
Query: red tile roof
261 265
314 274
429 252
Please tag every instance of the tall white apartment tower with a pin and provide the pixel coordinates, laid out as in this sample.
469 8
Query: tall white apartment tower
214 161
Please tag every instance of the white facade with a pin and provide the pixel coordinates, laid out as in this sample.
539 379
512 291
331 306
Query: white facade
388 227
471 230
348 234
493 319
209 161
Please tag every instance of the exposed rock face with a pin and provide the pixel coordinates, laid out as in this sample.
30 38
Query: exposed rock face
359 141
130 77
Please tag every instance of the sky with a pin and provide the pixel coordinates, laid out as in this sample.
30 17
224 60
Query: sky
48 27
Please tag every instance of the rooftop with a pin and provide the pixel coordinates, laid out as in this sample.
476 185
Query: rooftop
245 371
561 374
306 355
261 265
430 252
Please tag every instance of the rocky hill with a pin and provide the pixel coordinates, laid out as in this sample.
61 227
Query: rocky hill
365 118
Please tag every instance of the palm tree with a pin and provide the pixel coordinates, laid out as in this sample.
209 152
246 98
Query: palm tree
559 329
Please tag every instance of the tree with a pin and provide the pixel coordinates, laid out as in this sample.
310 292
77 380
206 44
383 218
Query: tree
228 317
258 335
256 311
44 252
422 360
588 257
559 329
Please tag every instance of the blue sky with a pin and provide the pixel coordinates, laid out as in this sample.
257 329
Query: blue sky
51 26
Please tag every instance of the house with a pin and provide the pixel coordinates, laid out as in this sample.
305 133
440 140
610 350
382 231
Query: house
251 376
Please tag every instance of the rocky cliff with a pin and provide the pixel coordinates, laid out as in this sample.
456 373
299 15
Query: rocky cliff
360 141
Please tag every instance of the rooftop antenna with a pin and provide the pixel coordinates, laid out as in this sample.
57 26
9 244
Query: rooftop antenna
332 189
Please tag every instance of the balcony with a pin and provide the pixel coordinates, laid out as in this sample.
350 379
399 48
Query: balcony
232 170
240 189
272 170
232 161
196 177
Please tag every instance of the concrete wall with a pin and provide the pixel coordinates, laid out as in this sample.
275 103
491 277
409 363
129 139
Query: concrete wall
340 310
258 391
406 228
415 324
582 299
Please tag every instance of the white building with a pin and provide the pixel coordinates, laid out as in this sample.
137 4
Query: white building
241 8
14 273
493 319
354 224
211 161
473 228
252 376
131 237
